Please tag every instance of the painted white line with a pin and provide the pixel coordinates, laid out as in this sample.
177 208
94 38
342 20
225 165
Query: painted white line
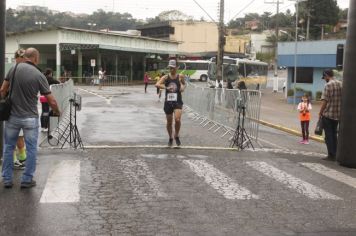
155 146
143 182
198 156
270 143
292 182
157 156
108 101
219 181
287 151
63 183
333 174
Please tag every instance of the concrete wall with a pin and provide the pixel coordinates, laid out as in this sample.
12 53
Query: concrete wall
259 44
195 37
236 43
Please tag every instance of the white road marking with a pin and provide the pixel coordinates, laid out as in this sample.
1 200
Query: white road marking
333 174
143 182
287 151
292 182
198 156
155 146
157 156
108 100
270 143
219 181
63 183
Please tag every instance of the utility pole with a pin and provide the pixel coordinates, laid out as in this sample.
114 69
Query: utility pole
275 79
308 25
221 43
346 148
2 60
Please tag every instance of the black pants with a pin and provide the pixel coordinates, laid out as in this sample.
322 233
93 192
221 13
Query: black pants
330 129
146 84
305 129
44 115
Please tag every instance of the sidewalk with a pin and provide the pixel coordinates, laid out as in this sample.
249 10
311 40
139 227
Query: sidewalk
277 113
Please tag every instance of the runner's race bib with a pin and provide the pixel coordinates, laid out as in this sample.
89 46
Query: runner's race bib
172 97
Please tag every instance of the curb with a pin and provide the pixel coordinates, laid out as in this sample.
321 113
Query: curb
290 131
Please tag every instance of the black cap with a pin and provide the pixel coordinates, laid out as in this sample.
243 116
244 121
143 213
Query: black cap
328 73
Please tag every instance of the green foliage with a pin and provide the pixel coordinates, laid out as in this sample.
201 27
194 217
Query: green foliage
299 89
309 94
321 12
290 92
266 57
318 95
25 20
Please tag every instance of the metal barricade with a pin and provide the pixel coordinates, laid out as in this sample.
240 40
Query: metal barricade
115 80
218 109
109 80
62 93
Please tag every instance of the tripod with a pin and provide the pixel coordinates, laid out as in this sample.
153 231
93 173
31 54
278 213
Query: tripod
73 137
241 139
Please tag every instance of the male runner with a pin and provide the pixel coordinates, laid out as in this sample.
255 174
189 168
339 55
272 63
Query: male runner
174 85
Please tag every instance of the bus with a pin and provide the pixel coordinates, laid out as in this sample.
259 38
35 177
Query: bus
196 69
253 72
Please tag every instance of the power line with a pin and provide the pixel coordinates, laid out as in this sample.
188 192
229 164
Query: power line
242 9
204 11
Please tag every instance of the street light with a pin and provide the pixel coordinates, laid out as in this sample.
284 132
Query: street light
40 23
91 25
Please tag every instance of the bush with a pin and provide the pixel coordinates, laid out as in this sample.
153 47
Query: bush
299 89
309 94
318 95
290 92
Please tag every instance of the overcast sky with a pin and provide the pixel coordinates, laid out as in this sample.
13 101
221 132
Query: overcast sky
142 9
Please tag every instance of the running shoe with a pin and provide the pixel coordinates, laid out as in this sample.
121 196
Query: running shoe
178 141
306 141
18 165
170 142
302 141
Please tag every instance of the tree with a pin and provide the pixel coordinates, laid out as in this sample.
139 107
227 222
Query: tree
321 12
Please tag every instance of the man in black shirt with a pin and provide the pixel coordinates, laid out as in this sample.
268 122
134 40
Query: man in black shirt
174 85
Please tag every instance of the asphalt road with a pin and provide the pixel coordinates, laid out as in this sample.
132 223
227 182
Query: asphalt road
128 183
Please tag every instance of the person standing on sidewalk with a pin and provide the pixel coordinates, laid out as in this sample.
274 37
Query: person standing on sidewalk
101 77
45 107
26 82
146 80
304 108
330 112
174 84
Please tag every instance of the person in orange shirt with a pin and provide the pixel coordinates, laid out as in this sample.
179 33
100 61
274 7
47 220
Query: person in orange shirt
304 108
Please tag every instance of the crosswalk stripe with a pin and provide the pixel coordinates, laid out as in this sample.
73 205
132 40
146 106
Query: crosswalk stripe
140 177
63 183
292 182
333 174
219 181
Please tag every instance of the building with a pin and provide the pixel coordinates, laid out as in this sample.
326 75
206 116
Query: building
259 42
252 24
72 50
312 58
194 36
199 39
236 43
